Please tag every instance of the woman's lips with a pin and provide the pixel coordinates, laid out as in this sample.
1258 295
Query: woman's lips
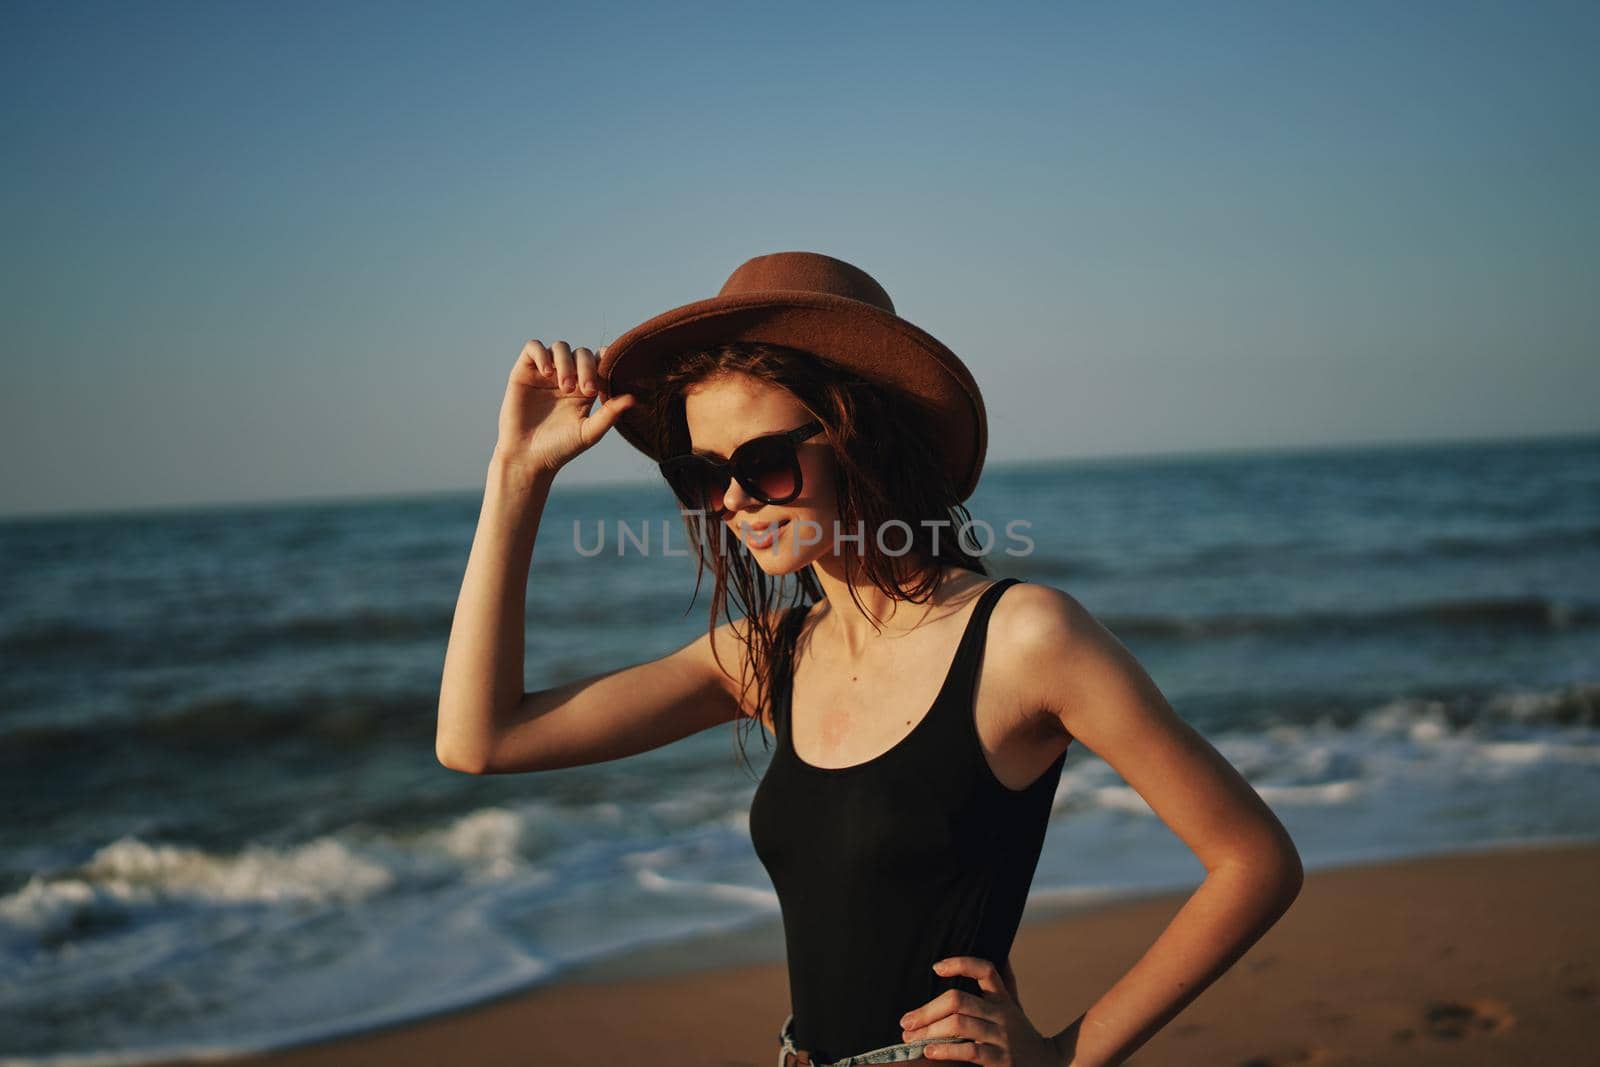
763 536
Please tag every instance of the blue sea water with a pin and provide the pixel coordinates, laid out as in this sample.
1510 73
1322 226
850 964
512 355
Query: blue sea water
225 827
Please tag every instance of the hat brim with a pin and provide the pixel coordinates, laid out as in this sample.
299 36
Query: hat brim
879 346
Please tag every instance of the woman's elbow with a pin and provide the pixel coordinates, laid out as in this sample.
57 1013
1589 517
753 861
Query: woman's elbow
1292 876
464 762
1274 867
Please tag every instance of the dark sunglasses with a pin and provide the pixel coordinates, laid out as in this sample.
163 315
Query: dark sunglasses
766 467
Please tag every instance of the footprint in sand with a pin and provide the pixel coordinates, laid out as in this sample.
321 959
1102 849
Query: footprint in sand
1451 1020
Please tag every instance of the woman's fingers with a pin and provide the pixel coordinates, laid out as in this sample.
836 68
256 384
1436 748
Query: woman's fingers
538 430
535 355
566 372
599 385
588 375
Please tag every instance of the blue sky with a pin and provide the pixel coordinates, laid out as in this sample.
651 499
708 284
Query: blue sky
275 250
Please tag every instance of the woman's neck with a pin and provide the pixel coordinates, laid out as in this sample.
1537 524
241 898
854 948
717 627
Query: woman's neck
852 630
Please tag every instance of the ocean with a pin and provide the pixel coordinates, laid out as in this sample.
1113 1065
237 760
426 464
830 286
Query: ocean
225 827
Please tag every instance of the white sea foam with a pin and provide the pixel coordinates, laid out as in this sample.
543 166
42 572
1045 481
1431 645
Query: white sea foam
129 874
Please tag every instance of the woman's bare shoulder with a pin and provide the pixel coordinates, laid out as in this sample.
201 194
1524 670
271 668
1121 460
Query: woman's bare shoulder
1039 618
1070 664
1040 634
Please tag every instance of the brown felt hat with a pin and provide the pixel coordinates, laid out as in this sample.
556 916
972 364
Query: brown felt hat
821 305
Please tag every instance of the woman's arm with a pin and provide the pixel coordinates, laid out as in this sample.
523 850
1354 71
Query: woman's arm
1080 674
483 662
487 724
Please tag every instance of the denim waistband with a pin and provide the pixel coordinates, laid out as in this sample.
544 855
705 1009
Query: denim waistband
909 1050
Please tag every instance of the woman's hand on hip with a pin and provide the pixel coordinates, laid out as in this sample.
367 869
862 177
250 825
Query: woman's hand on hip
545 419
998 1030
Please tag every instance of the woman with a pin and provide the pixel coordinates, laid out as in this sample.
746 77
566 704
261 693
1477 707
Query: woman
921 711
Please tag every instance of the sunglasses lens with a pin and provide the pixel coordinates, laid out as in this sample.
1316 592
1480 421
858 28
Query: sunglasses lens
699 485
770 467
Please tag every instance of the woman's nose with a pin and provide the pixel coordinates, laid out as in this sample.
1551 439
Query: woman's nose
734 498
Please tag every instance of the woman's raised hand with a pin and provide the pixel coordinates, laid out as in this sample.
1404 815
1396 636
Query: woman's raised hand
545 419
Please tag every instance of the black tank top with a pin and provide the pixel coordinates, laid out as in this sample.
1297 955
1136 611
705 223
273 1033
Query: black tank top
885 866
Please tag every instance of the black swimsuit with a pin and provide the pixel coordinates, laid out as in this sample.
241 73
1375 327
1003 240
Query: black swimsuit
885 866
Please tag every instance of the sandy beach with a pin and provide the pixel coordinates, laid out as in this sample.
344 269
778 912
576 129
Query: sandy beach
1486 958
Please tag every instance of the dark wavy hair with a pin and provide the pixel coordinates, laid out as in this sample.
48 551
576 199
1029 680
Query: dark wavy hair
888 467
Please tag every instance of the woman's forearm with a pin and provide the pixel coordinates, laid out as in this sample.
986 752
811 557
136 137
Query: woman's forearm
1228 913
483 663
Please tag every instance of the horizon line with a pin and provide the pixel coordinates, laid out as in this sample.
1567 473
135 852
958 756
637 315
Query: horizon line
1091 459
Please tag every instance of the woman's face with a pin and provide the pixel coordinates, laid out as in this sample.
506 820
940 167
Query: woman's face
725 412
